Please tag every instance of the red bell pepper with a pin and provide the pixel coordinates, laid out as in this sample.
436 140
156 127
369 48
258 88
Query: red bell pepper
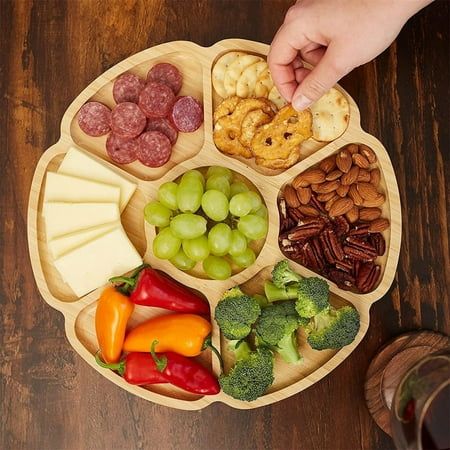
148 287
185 373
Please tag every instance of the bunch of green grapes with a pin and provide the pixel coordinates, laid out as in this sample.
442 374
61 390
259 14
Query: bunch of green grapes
210 219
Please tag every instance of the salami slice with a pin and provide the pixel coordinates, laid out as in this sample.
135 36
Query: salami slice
187 114
167 74
127 120
154 149
127 88
94 119
122 150
164 126
156 99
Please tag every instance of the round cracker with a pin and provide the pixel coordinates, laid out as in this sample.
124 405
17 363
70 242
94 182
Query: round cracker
245 86
331 114
275 97
234 71
219 69
264 84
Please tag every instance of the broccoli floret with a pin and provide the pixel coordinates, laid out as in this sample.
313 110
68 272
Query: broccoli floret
333 328
312 296
276 327
252 374
235 313
282 275
275 294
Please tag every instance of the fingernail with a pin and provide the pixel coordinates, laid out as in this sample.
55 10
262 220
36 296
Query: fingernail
301 102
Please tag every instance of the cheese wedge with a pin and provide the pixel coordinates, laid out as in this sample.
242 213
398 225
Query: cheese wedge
68 242
65 188
91 265
63 218
79 164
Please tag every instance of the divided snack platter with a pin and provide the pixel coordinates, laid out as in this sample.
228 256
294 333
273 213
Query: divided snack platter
194 150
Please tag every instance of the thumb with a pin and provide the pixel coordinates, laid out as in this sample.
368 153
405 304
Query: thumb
330 69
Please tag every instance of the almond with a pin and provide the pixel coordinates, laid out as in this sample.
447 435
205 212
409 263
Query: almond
369 214
351 176
352 148
334 175
308 210
363 176
328 164
309 176
378 225
290 195
344 161
374 202
324 188
342 190
360 161
355 196
368 153
330 202
340 207
367 191
375 177
353 215
325 197
304 195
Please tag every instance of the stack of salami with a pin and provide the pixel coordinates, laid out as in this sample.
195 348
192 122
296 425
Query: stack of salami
144 124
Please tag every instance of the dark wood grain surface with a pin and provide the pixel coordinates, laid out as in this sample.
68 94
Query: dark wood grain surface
50 399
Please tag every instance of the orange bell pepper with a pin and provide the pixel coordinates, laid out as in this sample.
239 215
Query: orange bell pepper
111 318
185 334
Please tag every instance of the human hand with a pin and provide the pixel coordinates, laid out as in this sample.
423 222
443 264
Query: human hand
335 36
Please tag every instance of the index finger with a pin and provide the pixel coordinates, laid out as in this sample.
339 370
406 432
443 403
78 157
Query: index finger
280 58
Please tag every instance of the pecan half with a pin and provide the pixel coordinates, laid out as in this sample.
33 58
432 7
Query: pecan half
343 279
305 231
378 243
368 276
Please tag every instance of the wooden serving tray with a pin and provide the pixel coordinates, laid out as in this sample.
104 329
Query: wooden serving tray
194 150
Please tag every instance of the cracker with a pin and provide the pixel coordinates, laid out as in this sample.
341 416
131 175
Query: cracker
219 69
245 86
264 84
275 97
234 71
251 122
331 114
226 107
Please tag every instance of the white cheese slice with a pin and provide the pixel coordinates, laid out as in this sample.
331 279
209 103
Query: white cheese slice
79 164
64 244
63 218
91 265
65 188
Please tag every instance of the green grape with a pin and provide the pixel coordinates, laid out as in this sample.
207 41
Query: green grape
237 188
217 268
240 204
219 239
221 172
181 261
262 212
157 214
238 243
218 183
194 174
188 226
252 227
255 199
245 259
196 249
189 195
215 205
165 244
167 195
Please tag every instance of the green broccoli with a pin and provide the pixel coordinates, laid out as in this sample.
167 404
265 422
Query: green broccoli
333 328
276 327
282 275
236 312
275 294
312 296
252 374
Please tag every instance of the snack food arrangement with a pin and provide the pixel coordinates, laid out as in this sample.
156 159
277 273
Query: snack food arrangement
225 262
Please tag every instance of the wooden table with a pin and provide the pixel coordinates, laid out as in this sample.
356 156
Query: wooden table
50 399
